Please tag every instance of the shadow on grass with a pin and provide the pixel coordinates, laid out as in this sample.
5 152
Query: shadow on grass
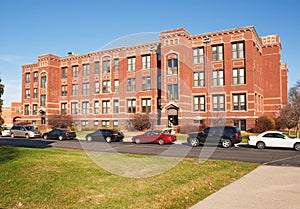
9 152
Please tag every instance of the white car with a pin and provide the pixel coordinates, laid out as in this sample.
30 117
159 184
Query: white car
274 139
5 131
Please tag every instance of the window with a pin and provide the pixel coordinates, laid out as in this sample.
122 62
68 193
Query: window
43 100
105 123
172 66
97 87
84 123
106 66
146 83
131 84
64 72
199 79
96 123
105 106
217 53
35 93
173 92
159 82
64 91
199 103
34 109
239 102
116 106
241 124
146 105
238 76
75 71
218 77
97 67
74 89
218 102
64 108
27 78
43 81
198 54
116 65
96 107
35 76
86 70
106 87
131 105
85 108
116 85
238 50
116 123
27 93
131 64
146 62
85 89
74 108
26 110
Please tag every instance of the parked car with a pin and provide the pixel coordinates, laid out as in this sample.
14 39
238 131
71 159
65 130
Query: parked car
226 136
155 136
5 131
107 135
60 134
26 131
274 139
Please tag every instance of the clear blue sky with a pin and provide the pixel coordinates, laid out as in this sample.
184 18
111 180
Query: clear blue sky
29 28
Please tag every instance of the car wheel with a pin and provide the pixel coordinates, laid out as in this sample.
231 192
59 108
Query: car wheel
60 138
260 145
297 146
108 139
27 136
194 142
226 143
12 135
89 138
45 137
137 140
161 141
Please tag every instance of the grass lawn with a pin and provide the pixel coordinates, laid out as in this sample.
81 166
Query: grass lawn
56 178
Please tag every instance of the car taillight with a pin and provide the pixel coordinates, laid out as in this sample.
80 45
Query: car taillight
236 136
115 134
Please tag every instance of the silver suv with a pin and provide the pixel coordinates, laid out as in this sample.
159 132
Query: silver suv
24 131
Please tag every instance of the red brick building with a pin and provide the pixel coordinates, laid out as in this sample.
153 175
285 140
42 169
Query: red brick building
231 76
11 114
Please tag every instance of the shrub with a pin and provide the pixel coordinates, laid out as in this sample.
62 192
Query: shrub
264 123
141 122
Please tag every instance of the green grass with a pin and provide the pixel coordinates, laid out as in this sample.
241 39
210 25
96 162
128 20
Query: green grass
55 178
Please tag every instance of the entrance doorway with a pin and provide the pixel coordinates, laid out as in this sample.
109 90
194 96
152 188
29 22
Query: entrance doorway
172 117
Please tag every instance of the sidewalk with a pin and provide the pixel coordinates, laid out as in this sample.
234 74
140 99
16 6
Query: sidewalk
267 187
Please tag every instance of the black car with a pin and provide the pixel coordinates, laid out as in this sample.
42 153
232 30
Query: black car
60 134
226 136
107 135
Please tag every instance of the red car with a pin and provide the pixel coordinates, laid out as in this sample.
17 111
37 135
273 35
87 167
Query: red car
154 137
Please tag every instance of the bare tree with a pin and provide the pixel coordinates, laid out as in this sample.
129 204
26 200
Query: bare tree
290 114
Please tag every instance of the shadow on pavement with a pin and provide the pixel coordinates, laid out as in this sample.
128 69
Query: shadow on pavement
33 143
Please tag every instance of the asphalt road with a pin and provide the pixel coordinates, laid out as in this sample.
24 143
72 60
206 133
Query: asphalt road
242 153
